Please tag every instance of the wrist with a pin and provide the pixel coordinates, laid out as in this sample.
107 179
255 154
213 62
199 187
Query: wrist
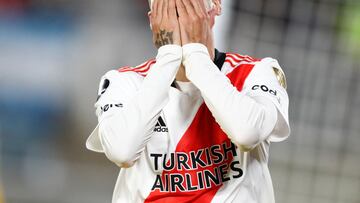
194 48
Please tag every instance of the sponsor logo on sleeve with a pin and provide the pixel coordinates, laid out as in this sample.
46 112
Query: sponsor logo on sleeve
103 87
107 107
266 89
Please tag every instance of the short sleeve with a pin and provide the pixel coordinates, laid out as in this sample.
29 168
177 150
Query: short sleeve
267 80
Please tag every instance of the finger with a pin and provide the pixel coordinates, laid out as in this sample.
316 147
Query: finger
203 7
150 14
189 8
181 8
172 9
165 8
197 7
159 8
154 7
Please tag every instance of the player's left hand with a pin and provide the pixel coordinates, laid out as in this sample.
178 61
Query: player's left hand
194 21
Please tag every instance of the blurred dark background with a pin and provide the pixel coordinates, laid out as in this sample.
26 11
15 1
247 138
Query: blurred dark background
53 53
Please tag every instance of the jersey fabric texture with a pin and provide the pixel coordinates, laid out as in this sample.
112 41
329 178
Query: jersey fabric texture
201 141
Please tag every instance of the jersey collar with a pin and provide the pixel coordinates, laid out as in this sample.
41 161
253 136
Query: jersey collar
219 58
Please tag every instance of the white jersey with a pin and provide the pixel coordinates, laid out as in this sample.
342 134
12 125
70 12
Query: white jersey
201 141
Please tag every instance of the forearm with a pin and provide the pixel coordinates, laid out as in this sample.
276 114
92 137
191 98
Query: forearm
125 133
153 94
244 119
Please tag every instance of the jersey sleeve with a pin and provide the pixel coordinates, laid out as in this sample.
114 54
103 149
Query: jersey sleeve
247 117
267 82
129 106
115 89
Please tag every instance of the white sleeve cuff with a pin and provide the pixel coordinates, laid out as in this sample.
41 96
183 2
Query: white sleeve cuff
169 49
191 48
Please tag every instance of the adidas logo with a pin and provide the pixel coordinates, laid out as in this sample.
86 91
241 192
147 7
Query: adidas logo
160 126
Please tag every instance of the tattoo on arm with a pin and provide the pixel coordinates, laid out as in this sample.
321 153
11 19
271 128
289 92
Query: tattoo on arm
163 38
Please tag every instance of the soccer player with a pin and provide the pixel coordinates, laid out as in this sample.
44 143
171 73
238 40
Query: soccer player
194 124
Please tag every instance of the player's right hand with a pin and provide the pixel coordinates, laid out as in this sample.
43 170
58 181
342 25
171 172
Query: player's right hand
164 23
